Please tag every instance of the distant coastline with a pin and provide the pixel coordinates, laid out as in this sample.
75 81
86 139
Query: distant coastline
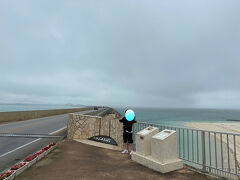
233 120
10 107
33 104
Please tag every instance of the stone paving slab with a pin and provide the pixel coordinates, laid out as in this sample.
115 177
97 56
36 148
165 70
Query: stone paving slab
77 161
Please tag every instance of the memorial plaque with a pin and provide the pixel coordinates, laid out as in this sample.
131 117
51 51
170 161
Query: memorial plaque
158 151
143 140
144 132
162 135
104 139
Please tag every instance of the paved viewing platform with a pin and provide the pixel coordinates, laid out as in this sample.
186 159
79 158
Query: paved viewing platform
77 161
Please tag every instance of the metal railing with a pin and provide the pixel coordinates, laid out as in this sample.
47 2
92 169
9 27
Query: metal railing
211 151
16 135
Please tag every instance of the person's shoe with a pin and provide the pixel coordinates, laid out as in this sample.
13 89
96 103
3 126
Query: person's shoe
124 151
131 152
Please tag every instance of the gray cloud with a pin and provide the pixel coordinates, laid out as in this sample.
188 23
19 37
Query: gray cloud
125 53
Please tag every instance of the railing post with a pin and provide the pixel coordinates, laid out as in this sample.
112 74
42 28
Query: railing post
203 152
135 129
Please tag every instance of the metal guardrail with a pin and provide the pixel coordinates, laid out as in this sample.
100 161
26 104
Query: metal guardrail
29 135
214 152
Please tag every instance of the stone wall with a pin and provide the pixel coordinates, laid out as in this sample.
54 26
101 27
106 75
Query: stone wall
82 127
25 115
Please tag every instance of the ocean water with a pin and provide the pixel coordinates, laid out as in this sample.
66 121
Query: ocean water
28 107
178 117
174 117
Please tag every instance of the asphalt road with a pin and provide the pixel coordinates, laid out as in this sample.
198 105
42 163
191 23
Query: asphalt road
15 149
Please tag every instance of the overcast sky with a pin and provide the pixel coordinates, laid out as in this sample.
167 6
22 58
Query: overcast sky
154 53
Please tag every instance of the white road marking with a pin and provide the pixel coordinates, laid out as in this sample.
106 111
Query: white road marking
32 141
29 143
58 130
19 147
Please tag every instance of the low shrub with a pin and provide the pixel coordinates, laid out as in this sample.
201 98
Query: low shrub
19 165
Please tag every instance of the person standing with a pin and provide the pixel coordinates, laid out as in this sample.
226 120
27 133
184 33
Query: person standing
127 132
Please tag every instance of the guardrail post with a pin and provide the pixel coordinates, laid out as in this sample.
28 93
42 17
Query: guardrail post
203 152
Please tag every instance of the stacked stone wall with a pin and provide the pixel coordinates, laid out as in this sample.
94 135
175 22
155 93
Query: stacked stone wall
82 127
